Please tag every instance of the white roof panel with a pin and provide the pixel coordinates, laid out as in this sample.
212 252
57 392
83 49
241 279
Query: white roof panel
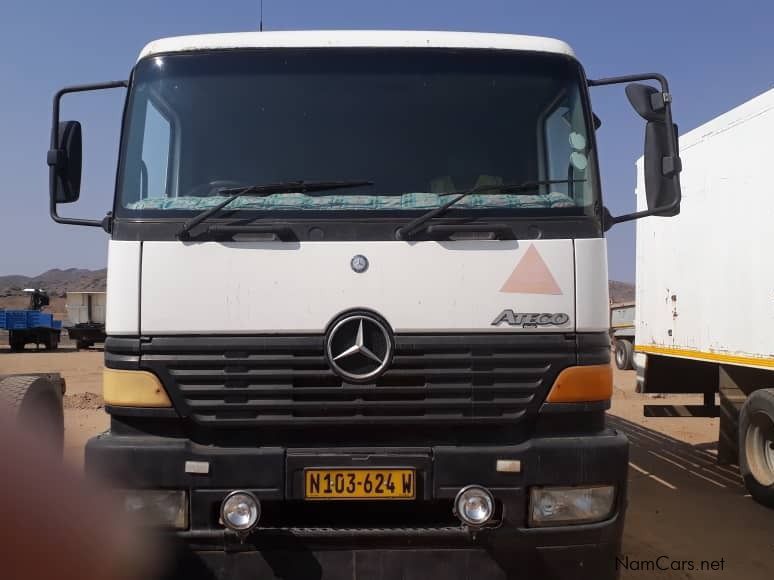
356 38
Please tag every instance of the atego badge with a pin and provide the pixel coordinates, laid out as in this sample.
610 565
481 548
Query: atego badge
531 319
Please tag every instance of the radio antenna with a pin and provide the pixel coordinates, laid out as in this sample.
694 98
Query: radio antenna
260 26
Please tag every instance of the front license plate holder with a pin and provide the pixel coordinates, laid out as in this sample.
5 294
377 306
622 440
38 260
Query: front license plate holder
351 483
300 461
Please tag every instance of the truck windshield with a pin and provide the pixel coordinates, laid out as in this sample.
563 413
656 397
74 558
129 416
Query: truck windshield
418 123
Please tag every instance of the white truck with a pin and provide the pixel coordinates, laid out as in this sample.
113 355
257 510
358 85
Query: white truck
86 315
357 309
705 289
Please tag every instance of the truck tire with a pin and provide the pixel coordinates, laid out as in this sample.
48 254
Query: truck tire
624 351
52 341
82 344
16 340
756 446
36 404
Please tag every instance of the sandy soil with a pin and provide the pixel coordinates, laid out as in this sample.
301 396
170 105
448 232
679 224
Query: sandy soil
683 507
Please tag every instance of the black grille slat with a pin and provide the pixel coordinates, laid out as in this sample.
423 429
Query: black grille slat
238 419
275 390
477 379
252 361
357 404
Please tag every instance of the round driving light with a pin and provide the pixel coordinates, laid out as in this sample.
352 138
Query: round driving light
474 505
240 511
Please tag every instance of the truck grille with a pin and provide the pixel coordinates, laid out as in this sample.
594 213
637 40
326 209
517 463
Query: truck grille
274 380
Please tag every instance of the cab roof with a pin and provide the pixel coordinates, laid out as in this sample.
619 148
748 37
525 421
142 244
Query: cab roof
356 38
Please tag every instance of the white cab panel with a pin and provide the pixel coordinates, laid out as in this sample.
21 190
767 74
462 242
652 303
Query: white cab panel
592 300
123 288
280 287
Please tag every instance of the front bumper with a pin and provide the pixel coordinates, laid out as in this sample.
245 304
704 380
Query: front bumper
576 562
280 549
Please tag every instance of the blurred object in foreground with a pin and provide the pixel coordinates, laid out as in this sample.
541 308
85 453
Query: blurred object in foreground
54 524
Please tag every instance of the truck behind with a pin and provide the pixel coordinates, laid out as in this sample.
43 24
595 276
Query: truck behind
705 290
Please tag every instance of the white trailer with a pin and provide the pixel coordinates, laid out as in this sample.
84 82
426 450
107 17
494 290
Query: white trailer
86 313
705 288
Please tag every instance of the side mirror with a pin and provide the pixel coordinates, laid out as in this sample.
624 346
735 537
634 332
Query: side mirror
65 156
662 164
662 155
65 163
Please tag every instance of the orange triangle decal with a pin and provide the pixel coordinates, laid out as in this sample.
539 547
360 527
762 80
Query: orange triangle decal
531 276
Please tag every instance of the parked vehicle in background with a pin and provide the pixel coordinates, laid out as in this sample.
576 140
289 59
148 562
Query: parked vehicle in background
31 326
86 314
705 289
390 355
622 334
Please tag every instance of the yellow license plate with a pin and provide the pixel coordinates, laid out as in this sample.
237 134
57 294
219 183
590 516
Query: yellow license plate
360 484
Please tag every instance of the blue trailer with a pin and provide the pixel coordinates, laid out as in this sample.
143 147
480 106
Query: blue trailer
31 325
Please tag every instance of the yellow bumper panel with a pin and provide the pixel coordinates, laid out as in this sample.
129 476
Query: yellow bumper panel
133 389
582 384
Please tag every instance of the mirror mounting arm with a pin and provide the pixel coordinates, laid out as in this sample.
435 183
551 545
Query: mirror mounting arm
56 157
671 164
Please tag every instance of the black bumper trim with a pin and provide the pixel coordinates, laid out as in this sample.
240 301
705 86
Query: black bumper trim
328 533
149 461
154 412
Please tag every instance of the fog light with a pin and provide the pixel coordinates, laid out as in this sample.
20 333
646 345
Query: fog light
157 507
555 506
474 505
240 511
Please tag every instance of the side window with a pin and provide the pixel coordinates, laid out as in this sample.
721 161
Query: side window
557 139
566 152
156 148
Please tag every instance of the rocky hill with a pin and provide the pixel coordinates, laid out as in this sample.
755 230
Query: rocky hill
57 282
621 292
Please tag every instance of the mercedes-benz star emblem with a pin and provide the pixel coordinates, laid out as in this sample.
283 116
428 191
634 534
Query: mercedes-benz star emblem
359 347
359 263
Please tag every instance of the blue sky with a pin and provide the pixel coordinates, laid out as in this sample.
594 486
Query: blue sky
716 55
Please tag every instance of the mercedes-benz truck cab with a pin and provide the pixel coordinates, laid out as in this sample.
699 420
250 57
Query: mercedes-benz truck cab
357 313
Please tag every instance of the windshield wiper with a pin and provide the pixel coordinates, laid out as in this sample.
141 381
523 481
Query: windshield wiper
417 223
263 190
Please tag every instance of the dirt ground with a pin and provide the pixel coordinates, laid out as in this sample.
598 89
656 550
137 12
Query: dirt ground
685 511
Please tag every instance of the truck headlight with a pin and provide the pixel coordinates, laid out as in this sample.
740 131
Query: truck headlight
157 507
555 506
474 505
240 511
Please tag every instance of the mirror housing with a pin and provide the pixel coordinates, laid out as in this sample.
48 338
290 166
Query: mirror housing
65 163
661 171
662 163
648 101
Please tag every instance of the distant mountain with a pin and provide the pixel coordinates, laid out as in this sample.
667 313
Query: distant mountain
56 282
621 292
